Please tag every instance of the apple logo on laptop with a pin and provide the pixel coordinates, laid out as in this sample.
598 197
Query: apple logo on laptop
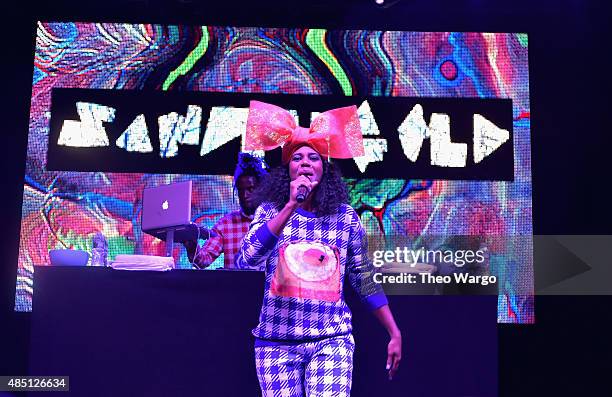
165 205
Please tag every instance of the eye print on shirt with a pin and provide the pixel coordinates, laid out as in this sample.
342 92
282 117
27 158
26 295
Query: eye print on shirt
309 270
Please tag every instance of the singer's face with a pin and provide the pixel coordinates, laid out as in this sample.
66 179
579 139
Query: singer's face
306 161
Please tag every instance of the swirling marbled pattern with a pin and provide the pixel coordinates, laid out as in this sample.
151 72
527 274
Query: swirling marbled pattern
67 208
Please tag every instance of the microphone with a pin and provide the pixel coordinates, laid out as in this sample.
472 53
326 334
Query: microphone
302 192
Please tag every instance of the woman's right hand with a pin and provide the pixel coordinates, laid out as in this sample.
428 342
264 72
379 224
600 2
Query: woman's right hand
277 223
301 180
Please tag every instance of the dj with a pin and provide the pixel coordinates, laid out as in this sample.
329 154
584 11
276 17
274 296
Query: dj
308 238
232 227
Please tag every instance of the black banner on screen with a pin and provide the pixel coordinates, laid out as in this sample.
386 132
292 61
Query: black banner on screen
202 133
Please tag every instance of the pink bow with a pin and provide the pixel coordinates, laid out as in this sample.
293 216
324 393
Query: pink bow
335 133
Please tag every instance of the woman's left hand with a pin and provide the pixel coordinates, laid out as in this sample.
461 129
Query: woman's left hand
394 349
394 355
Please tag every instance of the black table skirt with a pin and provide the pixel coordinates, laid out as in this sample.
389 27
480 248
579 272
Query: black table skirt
187 333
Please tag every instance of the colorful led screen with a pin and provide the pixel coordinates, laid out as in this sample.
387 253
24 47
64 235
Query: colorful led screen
445 120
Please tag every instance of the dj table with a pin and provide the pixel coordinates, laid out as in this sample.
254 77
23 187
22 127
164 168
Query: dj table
187 333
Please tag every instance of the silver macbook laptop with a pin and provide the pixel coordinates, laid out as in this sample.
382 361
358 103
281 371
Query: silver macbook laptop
166 206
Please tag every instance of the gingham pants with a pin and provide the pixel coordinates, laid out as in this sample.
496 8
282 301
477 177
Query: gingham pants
312 369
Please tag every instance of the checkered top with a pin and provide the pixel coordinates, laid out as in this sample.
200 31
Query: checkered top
230 230
298 318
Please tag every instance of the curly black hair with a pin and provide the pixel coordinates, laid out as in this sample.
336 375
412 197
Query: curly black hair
329 194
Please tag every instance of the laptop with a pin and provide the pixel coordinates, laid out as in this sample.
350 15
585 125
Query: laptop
168 207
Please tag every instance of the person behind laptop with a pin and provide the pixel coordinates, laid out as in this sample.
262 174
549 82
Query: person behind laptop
232 227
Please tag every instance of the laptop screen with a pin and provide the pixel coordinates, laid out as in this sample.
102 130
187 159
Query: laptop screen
166 206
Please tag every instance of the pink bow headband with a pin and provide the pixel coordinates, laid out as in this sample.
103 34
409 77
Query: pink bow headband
335 133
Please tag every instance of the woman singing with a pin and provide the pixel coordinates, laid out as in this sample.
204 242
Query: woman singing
309 238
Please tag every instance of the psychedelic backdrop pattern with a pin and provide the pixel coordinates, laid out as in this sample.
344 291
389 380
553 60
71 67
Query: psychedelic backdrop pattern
65 209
